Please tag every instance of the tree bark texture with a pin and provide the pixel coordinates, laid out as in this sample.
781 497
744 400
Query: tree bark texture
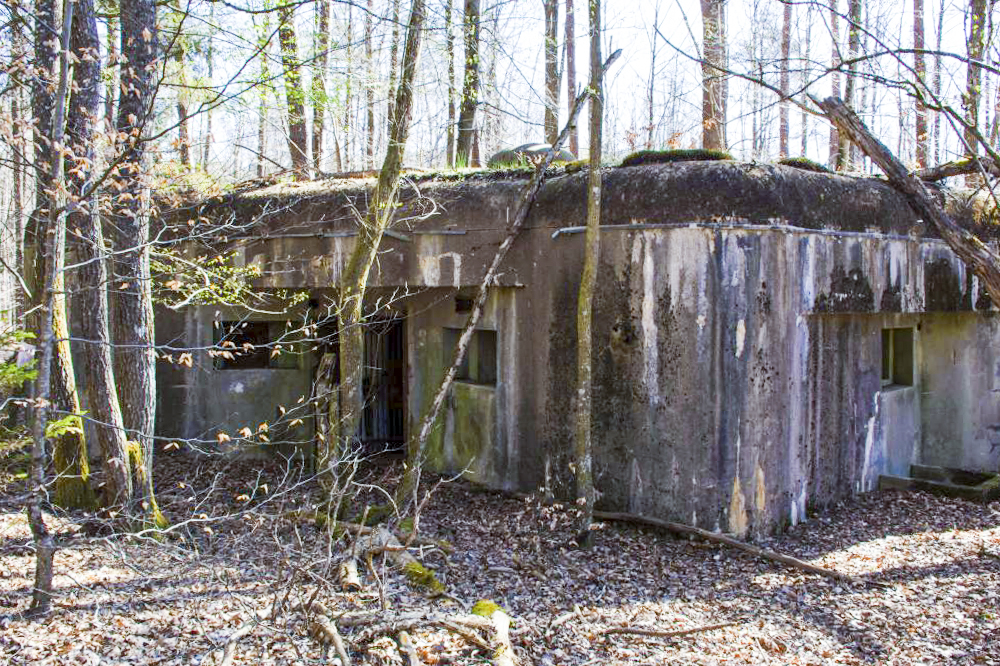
55 245
91 299
265 76
714 84
348 97
322 48
805 48
973 83
785 82
370 84
583 449
983 261
835 61
294 97
393 57
574 134
183 135
920 68
135 357
354 279
450 55
551 70
844 161
470 87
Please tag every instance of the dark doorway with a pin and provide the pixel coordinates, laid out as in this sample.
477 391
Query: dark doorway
383 423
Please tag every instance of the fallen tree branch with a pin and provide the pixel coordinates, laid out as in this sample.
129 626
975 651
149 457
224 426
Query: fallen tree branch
960 167
656 633
229 650
981 259
764 553
350 579
324 629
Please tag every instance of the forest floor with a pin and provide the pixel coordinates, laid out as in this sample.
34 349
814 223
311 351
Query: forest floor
930 566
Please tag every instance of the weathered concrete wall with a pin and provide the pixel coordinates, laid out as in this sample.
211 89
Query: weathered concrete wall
960 399
738 335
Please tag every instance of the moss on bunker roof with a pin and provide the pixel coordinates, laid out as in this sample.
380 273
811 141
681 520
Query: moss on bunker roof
678 193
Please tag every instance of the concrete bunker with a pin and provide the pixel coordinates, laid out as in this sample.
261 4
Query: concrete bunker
767 339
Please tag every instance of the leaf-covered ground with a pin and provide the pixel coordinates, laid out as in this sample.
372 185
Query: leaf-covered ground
240 547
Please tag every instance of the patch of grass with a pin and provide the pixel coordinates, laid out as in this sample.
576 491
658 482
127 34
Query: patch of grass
668 156
803 163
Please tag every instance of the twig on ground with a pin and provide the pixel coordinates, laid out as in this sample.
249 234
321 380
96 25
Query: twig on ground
656 633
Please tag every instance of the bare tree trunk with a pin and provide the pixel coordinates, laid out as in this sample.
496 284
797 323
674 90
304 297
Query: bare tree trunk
183 136
713 107
450 55
551 70
263 39
786 48
844 161
983 261
408 490
41 598
584 446
348 98
94 342
470 87
210 67
322 43
574 134
650 93
835 61
806 44
370 86
294 97
920 68
112 74
354 279
976 48
937 83
393 57
135 359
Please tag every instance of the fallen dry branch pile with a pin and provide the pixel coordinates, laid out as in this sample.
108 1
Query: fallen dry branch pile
248 585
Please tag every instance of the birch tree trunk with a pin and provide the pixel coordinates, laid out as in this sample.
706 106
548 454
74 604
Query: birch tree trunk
713 106
551 70
354 279
294 97
470 87
785 81
584 446
920 68
135 358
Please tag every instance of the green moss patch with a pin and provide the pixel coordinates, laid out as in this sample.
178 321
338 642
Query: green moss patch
803 163
668 156
485 608
420 576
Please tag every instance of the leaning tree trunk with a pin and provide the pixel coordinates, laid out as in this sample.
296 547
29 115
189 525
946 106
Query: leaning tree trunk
354 280
551 71
294 97
983 261
584 446
91 300
470 87
135 357
713 79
